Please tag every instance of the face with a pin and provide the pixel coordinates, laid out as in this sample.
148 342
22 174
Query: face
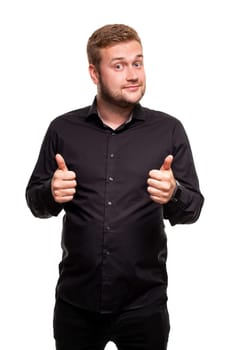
121 78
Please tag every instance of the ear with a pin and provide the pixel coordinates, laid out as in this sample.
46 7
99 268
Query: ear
93 74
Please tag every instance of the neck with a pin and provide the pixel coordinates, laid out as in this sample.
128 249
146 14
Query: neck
112 115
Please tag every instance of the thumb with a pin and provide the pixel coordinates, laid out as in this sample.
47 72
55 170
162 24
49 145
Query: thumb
167 163
61 164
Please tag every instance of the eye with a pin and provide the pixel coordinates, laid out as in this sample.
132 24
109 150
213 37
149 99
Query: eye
119 66
138 64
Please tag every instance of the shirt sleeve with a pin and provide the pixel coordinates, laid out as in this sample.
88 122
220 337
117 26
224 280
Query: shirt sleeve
38 191
186 208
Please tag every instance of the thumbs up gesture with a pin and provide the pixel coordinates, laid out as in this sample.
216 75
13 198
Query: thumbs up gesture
63 185
161 183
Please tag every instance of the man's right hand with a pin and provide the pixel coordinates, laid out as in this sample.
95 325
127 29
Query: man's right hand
63 185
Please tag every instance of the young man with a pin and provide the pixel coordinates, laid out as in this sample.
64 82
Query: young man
117 170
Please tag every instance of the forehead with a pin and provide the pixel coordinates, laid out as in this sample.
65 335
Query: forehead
128 50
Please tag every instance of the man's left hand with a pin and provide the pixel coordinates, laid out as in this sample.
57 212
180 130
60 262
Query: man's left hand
161 183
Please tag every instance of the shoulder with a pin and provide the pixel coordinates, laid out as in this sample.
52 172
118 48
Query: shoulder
77 116
153 115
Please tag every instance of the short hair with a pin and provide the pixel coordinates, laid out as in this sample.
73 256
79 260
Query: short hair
107 36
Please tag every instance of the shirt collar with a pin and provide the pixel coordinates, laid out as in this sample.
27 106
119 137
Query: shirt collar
137 113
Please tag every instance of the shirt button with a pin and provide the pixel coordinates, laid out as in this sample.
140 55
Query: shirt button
111 178
112 155
106 252
107 228
109 203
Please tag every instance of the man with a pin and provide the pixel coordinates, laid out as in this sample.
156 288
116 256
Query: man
118 170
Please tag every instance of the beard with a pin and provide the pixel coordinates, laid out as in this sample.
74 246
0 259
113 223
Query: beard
116 99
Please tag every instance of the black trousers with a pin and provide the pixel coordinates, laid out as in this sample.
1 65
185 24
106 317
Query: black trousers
78 329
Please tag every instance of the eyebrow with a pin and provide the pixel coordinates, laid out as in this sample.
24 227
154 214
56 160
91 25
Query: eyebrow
123 58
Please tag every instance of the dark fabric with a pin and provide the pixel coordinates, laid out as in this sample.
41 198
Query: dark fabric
77 329
113 238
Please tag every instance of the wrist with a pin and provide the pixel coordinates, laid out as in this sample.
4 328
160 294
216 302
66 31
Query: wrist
176 193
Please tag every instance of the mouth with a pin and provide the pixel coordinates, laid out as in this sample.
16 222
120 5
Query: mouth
132 87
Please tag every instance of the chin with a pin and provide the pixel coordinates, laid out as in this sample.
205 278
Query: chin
134 99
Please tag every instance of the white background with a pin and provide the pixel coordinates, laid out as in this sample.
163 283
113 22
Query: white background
43 73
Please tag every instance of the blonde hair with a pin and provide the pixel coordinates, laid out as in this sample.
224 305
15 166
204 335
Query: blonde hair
106 36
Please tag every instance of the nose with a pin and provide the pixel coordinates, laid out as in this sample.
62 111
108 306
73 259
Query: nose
131 74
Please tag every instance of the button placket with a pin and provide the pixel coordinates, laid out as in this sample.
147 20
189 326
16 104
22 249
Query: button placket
109 211
110 176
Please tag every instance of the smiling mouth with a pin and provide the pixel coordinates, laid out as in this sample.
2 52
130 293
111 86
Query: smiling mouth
132 87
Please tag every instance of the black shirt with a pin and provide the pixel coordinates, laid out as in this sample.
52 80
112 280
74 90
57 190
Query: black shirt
113 239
